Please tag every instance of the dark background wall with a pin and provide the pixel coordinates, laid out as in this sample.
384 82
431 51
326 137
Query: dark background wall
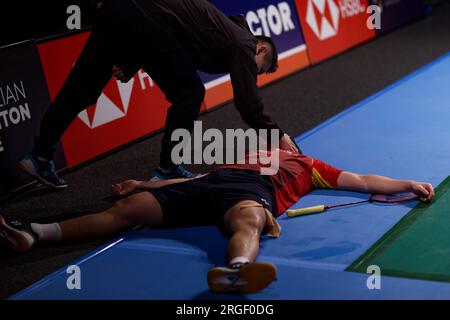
22 20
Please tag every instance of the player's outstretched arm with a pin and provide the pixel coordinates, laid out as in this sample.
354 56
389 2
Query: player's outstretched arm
370 183
127 187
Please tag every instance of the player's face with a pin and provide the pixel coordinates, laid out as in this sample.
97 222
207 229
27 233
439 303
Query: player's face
263 68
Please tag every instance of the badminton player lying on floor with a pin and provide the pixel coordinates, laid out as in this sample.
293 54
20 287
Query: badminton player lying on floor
236 198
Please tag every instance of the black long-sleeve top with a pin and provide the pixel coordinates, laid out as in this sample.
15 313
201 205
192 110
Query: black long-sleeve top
217 43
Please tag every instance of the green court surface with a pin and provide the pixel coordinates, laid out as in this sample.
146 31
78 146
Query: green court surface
418 246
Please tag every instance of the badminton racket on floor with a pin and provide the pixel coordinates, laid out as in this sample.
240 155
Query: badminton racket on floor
380 198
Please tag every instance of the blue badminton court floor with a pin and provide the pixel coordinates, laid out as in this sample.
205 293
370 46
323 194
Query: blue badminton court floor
402 131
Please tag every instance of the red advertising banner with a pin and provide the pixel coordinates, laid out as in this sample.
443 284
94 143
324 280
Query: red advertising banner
333 26
123 112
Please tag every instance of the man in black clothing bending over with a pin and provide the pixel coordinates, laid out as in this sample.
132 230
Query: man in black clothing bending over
170 40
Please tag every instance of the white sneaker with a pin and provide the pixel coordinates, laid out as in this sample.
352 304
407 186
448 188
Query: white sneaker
248 278
17 234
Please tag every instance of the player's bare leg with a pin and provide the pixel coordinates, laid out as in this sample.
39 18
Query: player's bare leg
244 275
141 208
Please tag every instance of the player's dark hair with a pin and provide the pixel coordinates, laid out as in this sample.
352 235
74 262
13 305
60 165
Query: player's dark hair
273 54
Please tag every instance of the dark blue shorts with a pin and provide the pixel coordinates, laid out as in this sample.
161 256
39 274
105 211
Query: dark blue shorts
204 201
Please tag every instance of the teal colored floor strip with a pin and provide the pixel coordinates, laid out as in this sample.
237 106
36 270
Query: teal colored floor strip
418 246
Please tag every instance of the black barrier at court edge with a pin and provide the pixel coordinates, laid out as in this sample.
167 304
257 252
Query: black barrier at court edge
24 98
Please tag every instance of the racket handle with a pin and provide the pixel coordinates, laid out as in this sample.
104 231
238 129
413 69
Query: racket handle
306 211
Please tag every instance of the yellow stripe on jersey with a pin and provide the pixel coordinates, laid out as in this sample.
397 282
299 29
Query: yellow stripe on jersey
319 182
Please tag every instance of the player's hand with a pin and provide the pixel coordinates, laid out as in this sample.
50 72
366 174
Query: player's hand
119 75
286 143
423 190
125 188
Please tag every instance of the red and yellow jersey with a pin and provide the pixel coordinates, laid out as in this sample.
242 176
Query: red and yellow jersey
294 176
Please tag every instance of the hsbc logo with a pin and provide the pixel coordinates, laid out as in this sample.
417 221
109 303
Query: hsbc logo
323 16
113 104
106 110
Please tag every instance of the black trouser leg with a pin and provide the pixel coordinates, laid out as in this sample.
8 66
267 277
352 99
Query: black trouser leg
183 88
142 40
163 57
181 115
90 74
